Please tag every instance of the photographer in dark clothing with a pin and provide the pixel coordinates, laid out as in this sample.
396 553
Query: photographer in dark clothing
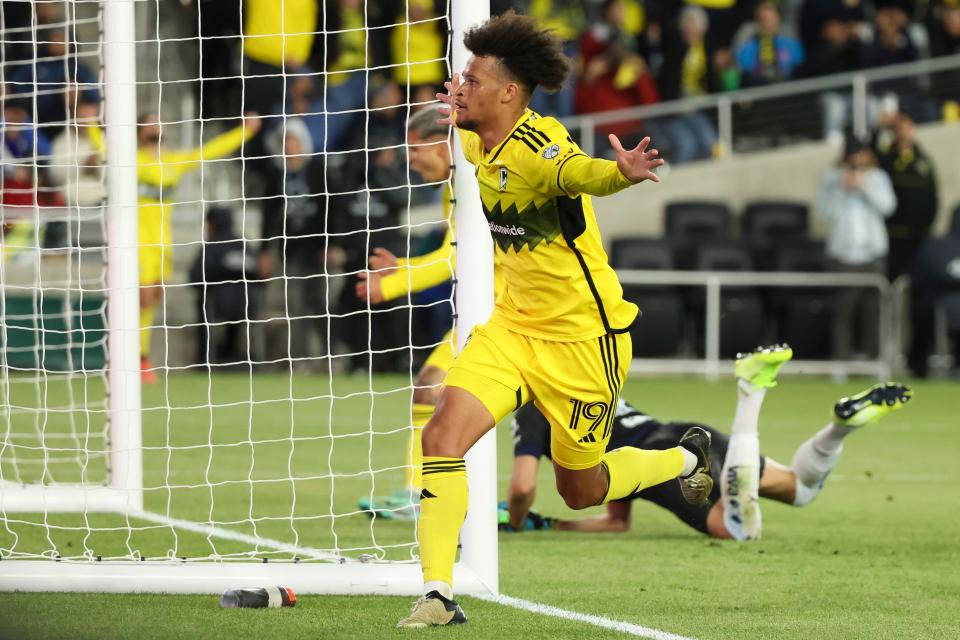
914 182
935 278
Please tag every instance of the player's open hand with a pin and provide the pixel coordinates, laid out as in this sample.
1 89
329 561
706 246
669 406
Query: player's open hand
251 120
452 85
369 287
383 261
638 163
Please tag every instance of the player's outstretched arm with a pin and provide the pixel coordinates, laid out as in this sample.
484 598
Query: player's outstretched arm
577 173
637 164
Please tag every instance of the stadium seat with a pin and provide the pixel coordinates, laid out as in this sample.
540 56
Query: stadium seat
695 219
801 255
689 222
772 220
767 224
642 252
802 315
658 332
742 320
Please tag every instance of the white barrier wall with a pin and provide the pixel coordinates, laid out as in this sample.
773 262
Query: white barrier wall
792 173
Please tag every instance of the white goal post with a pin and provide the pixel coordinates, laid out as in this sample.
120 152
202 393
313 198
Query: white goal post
312 570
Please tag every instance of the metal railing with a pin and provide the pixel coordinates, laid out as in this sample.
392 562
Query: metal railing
857 83
712 365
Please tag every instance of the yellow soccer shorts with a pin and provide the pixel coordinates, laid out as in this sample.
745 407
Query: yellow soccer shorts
574 384
442 355
155 235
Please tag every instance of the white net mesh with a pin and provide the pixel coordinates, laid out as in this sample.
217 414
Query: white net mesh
274 399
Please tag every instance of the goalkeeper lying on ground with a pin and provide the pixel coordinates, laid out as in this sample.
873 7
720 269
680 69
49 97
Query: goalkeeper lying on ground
733 510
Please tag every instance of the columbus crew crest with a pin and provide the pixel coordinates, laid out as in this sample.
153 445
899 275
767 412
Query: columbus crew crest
551 152
503 178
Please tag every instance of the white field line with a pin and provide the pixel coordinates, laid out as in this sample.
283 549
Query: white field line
319 554
597 621
226 534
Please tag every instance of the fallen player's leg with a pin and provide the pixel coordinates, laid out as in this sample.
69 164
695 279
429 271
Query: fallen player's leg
816 458
740 479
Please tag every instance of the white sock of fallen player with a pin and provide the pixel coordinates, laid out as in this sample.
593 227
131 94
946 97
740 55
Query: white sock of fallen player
740 478
815 459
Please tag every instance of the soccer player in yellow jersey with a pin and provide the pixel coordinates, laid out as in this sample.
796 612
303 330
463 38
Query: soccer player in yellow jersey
559 330
158 173
390 278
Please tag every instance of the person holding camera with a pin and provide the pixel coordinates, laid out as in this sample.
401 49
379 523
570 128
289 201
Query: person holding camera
854 200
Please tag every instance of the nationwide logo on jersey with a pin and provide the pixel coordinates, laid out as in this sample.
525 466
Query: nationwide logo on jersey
527 227
503 178
551 152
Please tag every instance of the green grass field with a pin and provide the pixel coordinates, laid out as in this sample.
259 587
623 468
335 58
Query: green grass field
875 557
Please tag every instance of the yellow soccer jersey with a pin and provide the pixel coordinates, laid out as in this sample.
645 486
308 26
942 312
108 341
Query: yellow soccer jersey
422 272
536 187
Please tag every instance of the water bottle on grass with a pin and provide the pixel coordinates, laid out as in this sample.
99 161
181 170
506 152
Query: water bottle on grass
257 598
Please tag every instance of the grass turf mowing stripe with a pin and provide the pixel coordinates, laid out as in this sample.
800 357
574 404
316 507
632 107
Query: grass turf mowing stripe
508 601
597 621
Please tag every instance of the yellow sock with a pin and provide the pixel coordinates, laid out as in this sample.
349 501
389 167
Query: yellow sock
443 506
413 471
632 470
146 322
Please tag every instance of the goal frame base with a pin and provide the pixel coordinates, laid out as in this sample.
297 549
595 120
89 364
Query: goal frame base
67 498
210 577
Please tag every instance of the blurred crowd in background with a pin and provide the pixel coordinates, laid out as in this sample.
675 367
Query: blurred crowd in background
333 96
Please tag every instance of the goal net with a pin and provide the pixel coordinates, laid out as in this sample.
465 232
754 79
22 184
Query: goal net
193 397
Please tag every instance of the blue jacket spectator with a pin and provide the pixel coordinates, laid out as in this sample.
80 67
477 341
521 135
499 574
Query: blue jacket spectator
768 56
23 144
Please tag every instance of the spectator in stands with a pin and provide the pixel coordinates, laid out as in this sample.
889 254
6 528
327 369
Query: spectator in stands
75 167
935 279
944 29
569 20
855 198
294 246
914 180
48 78
688 71
224 276
838 50
816 16
891 42
219 25
373 193
769 55
24 155
418 46
614 75
277 42
346 83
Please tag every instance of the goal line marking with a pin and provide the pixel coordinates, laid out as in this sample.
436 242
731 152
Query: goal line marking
597 621
319 554
227 534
